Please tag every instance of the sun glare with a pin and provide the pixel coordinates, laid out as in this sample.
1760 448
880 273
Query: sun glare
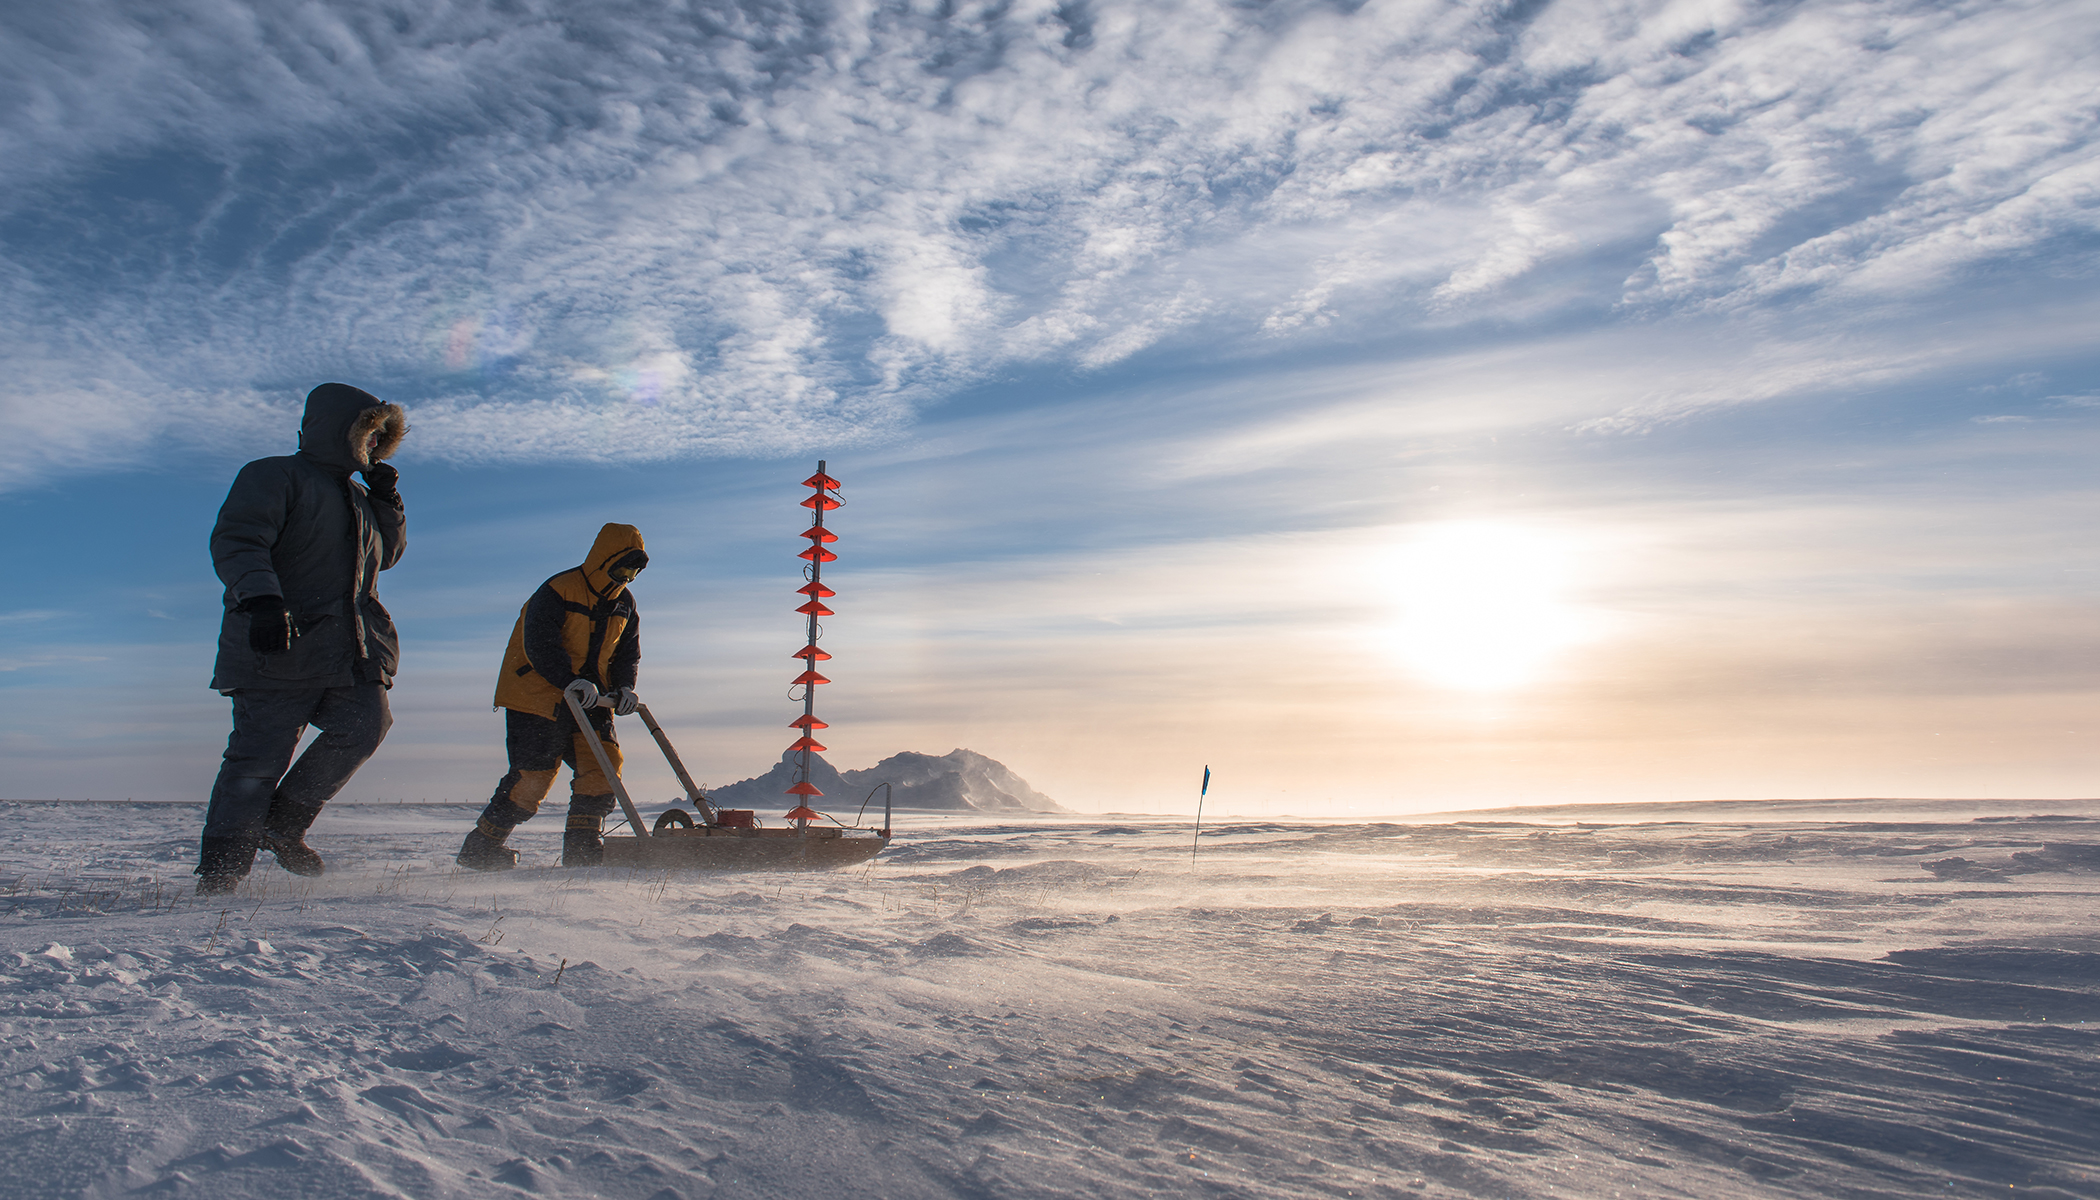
1482 604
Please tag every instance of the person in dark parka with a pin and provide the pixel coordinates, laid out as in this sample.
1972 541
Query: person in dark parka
300 545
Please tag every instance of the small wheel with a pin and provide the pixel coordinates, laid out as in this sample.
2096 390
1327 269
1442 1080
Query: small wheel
674 818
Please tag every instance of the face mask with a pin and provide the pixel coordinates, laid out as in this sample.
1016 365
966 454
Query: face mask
629 566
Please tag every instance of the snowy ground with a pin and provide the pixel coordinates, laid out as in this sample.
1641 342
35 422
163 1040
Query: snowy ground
1777 1001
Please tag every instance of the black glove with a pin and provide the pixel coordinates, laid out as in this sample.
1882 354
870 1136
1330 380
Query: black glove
383 482
269 624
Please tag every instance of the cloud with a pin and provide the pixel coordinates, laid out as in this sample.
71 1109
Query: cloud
29 615
619 231
34 661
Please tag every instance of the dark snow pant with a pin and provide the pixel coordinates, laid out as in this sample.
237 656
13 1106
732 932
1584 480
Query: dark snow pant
255 793
539 747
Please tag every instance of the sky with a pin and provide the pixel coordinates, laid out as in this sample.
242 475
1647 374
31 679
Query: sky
1393 406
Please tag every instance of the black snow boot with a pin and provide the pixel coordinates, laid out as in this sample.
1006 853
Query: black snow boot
582 848
483 852
582 845
284 835
583 840
221 863
293 854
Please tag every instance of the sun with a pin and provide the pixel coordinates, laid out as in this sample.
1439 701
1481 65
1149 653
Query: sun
1482 606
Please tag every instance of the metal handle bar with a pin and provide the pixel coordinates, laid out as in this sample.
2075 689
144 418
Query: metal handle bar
709 814
590 735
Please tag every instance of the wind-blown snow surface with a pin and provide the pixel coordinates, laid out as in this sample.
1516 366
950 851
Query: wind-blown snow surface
1776 1002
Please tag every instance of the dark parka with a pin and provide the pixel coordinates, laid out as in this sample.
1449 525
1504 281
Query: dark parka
298 526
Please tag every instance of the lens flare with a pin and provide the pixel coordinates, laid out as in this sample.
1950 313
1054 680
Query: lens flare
459 343
642 385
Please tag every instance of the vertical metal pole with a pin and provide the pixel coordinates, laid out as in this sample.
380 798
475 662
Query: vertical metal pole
809 690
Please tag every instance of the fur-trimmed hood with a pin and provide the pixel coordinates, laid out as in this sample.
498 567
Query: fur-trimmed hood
340 419
389 422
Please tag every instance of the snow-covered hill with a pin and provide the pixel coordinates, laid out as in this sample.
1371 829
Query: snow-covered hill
958 781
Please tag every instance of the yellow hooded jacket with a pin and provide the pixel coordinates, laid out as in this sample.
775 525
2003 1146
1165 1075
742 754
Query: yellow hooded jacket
581 622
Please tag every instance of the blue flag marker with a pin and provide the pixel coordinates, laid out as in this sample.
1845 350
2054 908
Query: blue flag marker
1199 816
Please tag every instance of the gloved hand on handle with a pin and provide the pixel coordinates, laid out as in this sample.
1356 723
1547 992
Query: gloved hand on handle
624 702
585 692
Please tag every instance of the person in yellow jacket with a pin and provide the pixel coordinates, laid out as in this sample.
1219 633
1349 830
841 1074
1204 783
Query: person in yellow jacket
578 634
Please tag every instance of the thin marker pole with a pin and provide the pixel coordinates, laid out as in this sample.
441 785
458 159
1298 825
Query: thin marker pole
1198 839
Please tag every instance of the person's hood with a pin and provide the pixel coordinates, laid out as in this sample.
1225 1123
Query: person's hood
613 544
339 418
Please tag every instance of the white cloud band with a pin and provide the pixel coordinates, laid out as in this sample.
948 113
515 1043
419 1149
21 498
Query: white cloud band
743 228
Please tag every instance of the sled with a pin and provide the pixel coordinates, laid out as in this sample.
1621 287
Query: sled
703 841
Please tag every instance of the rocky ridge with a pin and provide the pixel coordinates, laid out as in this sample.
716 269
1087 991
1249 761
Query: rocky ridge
958 781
